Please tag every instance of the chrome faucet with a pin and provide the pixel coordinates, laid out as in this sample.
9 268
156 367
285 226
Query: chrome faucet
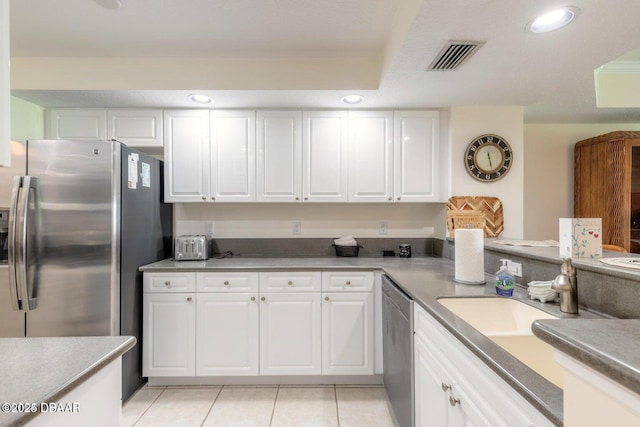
566 283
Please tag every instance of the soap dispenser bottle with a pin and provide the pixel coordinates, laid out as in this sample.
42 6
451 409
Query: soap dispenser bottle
504 280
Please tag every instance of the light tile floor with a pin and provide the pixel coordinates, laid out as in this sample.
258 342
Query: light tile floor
265 406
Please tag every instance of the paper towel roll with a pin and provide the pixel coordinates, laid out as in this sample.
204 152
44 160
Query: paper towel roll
469 256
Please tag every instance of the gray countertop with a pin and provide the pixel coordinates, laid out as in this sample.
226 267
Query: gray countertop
609 346
36 370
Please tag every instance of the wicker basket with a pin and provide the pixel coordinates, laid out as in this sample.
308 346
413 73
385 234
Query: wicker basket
347 250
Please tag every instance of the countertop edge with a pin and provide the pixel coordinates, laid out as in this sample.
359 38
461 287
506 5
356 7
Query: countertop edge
77 380
609 367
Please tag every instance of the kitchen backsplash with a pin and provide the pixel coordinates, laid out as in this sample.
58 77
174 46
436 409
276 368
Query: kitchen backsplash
315 220
321 247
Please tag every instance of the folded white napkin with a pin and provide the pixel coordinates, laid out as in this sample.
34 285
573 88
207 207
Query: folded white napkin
346 241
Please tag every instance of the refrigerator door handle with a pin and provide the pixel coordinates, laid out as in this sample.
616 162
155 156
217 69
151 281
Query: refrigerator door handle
11 242
27 303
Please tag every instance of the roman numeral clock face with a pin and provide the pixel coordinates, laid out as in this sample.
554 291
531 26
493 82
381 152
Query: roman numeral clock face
488 158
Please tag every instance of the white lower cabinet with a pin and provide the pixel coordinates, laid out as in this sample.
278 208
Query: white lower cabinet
227 334
169 334
247 323
454 388
347 333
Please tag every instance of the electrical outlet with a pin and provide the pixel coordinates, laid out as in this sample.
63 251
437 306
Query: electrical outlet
208 228
296 227
515 268
382 228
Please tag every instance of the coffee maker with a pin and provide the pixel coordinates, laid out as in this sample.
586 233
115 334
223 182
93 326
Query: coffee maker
4 234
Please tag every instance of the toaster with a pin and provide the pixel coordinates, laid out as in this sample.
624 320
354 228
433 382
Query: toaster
189 248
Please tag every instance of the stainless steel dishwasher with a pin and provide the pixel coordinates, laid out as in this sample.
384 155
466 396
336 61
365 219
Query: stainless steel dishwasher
397 347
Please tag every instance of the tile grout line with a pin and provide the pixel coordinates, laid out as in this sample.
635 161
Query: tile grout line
211 407
275 402
148 407
335 396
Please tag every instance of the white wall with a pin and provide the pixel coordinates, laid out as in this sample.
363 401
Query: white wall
274 220
466 123
548 174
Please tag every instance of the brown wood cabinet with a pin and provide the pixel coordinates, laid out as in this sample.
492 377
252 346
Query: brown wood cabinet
603 186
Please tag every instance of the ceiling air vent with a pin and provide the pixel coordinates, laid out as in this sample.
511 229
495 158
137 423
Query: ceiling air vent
453 55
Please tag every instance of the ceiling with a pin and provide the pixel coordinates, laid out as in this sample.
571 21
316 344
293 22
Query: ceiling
309 53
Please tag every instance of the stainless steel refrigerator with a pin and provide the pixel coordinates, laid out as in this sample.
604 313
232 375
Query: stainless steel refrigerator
83 216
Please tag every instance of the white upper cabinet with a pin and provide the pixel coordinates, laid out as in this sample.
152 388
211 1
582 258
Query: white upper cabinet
325 156
279 156
136 128
371 156
71 123
5 94
186 155
233 158
416 161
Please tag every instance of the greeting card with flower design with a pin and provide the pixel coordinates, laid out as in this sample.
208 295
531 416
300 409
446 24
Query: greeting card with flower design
581 237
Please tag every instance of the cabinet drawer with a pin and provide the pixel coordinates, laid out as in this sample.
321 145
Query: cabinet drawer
169 282
304 281
227 282
349 281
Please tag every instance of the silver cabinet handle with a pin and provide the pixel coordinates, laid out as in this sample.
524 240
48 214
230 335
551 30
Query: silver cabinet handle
453 401
189 299
204 198
326 298
445 387
390 198
306 198
263 298
290 283
348 282
297 198
213 198
253 298
398 198
226 283
167 283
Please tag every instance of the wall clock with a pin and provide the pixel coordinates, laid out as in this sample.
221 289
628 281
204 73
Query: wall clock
488 158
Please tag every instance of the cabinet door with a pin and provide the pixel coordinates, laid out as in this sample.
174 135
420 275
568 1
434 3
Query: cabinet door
279 156
347 333
136 128
169 331
290 326
233 142
186 155
370 156
227 334
325 156
70 123
416 162
431 390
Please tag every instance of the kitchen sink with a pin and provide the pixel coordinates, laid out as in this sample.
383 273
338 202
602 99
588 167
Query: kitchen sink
507 322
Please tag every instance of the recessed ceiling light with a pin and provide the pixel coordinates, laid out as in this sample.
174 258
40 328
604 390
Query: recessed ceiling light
352 99
553 20
200 99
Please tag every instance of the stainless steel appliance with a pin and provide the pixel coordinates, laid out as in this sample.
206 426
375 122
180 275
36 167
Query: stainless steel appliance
397 347
188 248
84 215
